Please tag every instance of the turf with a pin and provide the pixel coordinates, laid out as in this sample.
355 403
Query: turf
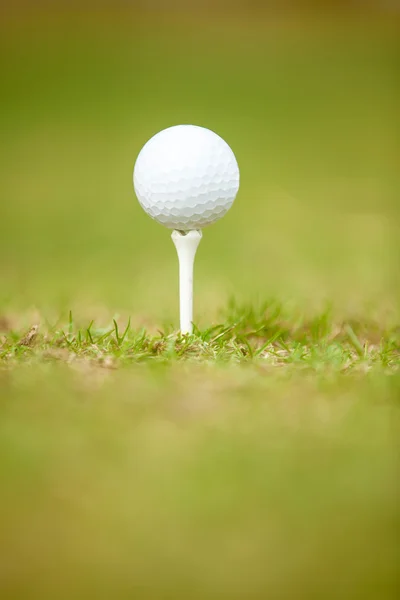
258 457
273 335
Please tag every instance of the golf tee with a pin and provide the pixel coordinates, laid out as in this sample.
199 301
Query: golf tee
186 245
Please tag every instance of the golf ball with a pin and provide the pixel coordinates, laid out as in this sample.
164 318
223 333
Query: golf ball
186 177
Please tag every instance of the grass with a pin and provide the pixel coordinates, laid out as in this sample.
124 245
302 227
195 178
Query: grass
196 478
272 336
258 457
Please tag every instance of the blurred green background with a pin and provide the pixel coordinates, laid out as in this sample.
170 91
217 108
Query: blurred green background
306 99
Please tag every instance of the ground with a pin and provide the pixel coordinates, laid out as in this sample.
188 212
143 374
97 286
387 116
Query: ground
258 457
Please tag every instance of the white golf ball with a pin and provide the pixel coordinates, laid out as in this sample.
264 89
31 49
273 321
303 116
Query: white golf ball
186 177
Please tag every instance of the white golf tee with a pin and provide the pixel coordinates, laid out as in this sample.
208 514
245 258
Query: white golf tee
186 245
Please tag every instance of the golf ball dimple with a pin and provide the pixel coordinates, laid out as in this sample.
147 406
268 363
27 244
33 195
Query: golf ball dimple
186 177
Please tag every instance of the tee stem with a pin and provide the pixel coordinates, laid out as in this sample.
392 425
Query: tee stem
186 245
